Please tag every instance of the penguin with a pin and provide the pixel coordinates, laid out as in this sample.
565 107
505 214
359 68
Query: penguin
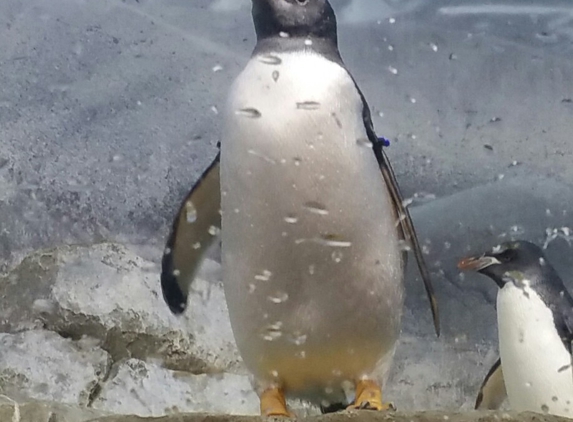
535 330
313 227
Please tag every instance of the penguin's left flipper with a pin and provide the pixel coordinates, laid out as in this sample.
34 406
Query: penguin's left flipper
194 230
403 213
492 392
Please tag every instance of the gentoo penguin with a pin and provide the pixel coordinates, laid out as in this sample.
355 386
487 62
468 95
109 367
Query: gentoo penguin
535 328
312 220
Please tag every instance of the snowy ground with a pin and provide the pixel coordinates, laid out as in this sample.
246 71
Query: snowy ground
108 113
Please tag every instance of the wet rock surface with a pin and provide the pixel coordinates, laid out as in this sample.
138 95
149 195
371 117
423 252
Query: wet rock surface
51 412
367 417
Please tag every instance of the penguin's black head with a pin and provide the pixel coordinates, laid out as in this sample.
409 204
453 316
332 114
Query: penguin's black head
294 19
510 262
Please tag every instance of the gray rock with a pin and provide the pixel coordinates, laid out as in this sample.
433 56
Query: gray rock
107 292
41 365
146 389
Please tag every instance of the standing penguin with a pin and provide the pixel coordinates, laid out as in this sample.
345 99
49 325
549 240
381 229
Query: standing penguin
312 220
535 328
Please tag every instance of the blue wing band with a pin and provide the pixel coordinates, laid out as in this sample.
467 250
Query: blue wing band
385 142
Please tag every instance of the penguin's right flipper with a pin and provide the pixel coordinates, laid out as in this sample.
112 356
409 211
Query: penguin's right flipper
194 230
408 230
492 392
404 218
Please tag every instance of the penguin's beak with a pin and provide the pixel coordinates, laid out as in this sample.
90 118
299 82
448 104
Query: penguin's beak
477 263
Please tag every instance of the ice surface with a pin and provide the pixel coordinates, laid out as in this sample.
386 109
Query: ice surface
108 115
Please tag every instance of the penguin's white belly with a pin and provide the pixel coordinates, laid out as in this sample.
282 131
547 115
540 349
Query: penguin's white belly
311 261
536 365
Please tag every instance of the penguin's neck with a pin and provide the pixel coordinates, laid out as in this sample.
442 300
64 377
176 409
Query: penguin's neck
324 47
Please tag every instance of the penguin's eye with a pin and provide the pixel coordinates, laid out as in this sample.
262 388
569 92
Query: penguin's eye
507 256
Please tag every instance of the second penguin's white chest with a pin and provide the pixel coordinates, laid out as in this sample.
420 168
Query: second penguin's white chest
536 365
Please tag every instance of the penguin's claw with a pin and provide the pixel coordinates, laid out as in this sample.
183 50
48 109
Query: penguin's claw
273 403
369 397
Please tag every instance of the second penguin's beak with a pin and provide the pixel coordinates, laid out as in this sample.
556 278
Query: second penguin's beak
477 263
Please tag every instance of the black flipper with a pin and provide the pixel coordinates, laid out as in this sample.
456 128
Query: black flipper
403 213
492 392
409 231
194 230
